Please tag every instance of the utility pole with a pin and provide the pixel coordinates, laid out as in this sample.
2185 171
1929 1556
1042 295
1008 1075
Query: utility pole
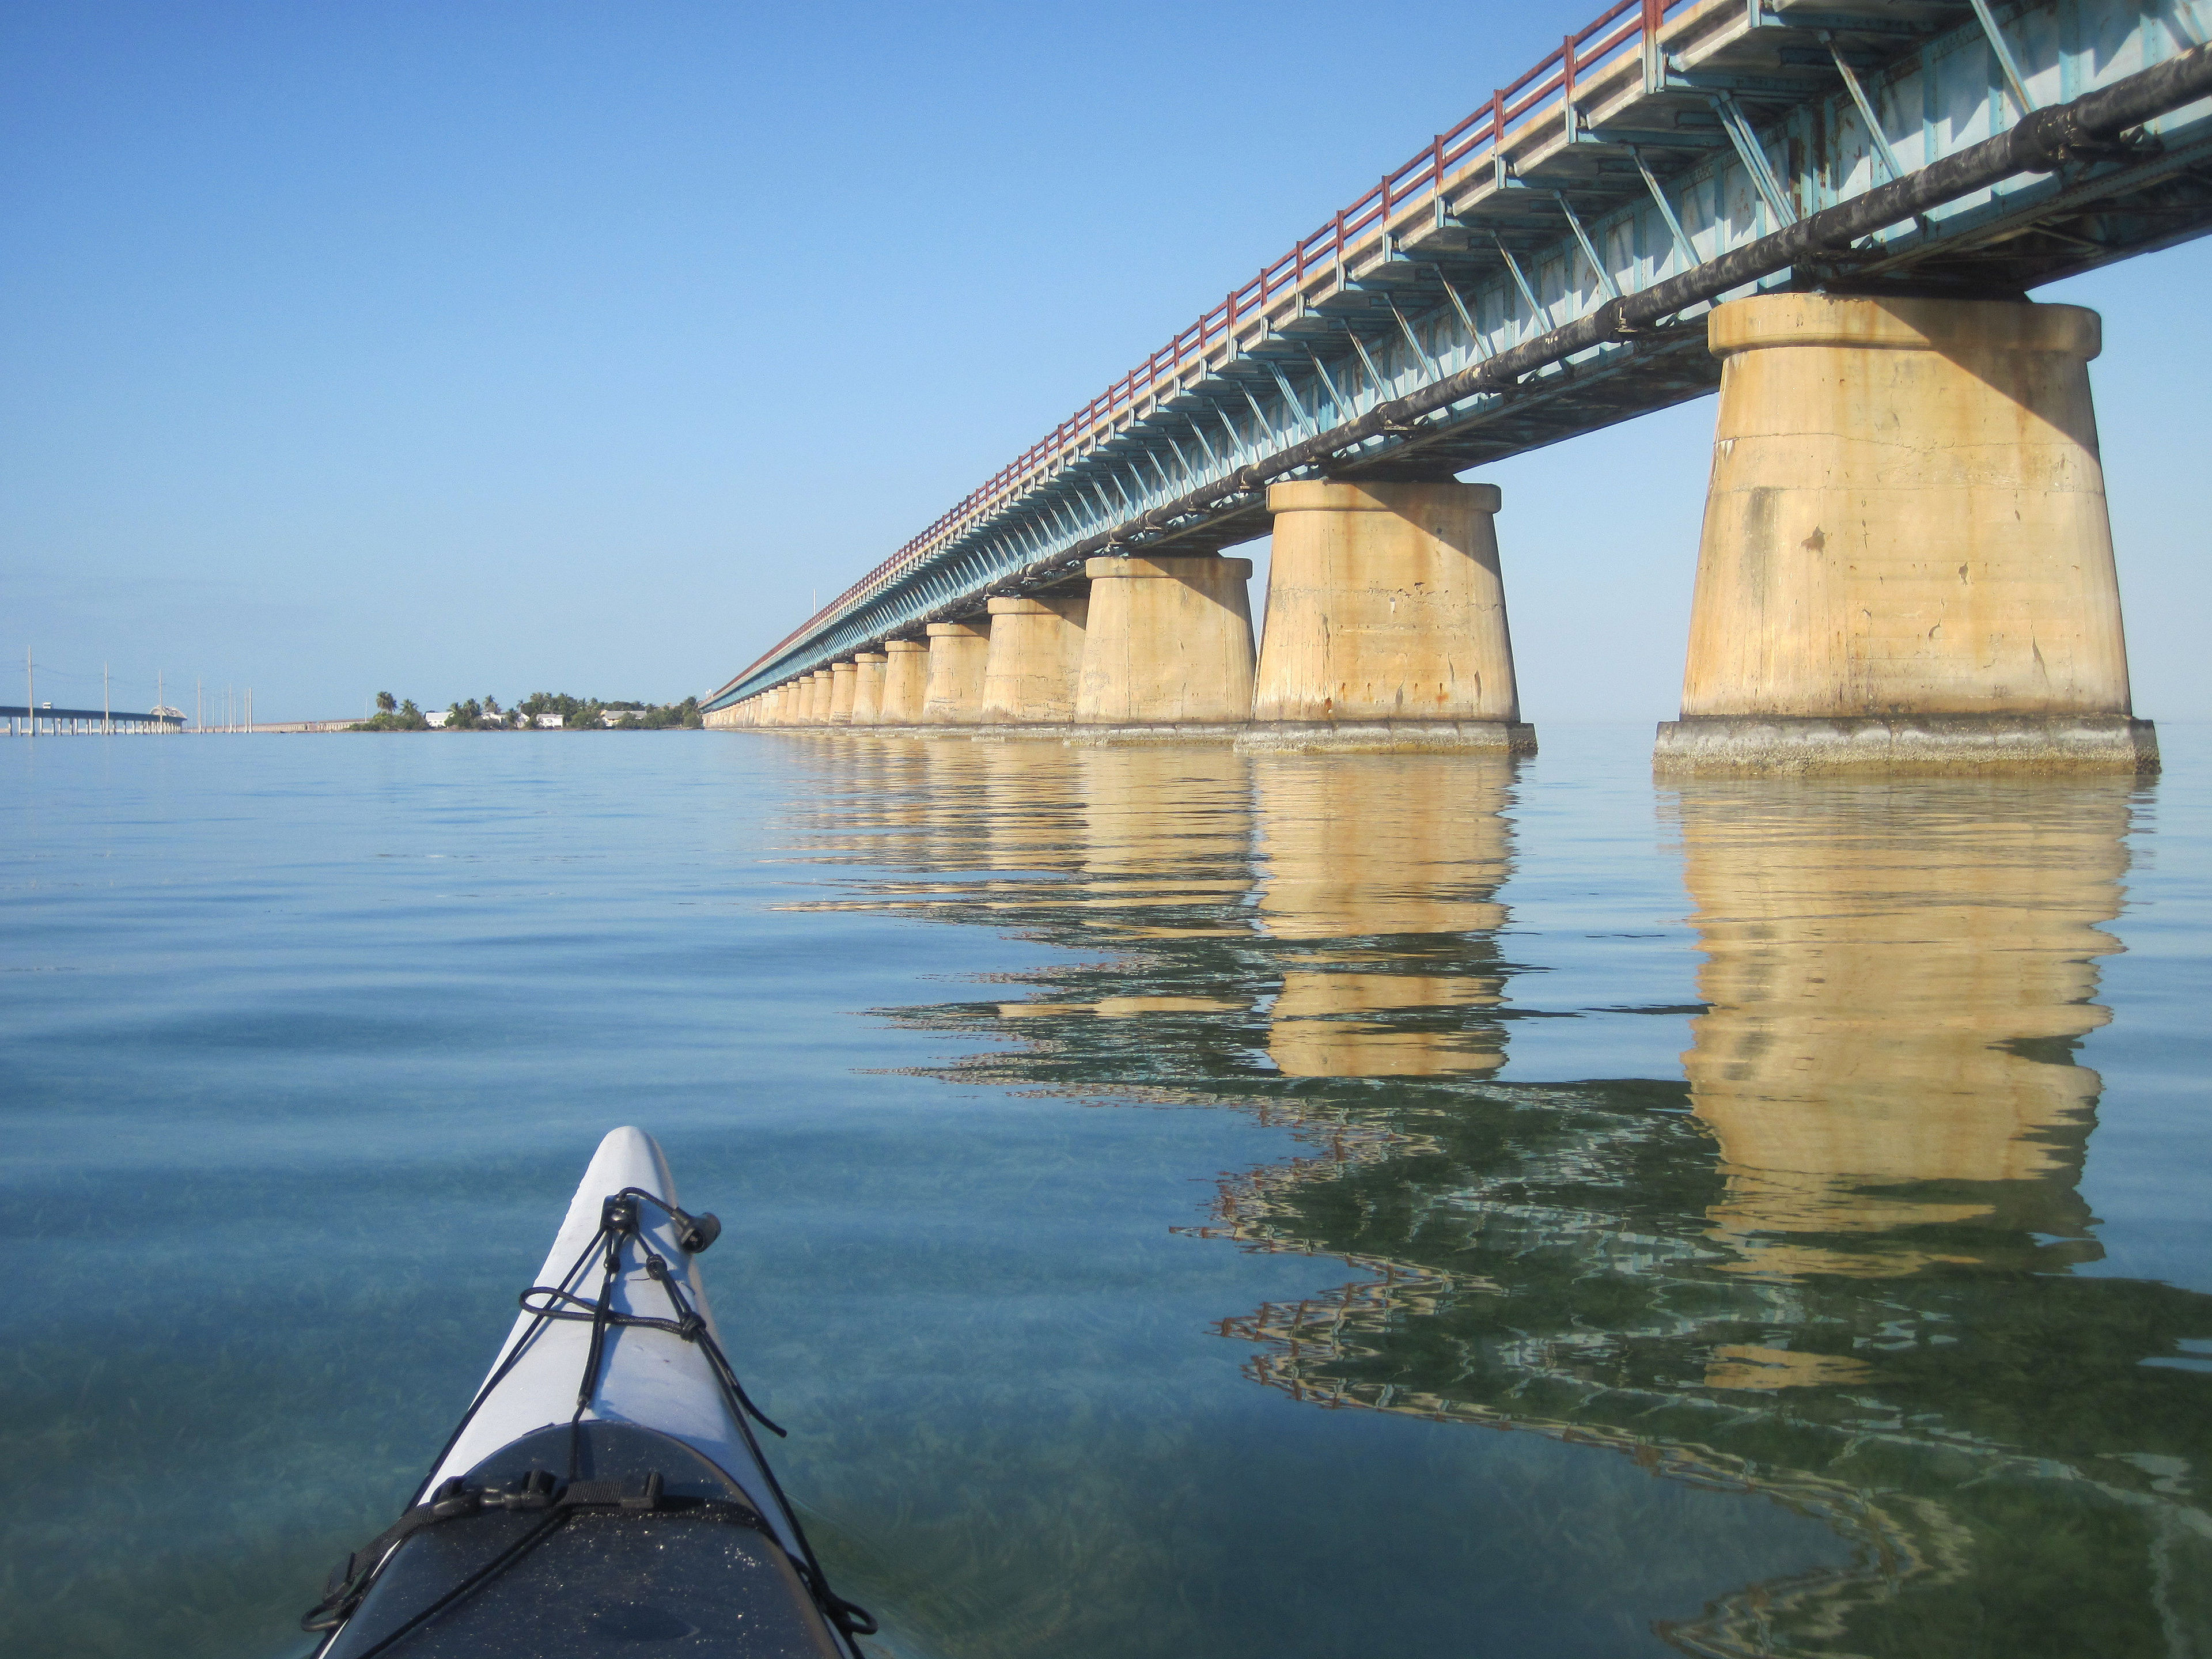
107 706
249 708
30 691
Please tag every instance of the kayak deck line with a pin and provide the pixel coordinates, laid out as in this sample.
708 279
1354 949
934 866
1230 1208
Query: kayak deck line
665 1519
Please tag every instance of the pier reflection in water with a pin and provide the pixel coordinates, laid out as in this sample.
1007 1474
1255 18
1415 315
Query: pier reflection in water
1828 1266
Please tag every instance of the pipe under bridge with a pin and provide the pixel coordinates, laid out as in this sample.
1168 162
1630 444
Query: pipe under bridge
1552 265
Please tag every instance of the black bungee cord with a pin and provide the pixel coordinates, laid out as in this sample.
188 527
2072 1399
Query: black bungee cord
619 1219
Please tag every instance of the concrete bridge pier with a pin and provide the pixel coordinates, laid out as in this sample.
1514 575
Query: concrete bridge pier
958 653
844 683
1035 658
906 682
1385 622
1167 648
817 697
868 688
1907 562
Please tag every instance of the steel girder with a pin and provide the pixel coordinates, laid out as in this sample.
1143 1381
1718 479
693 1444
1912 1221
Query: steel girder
1738 119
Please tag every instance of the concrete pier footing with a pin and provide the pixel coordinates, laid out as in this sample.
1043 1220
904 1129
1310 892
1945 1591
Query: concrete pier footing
958 653
868 686
906 682
1035 658
1168 643
1728 746
1388 736
1385 622
1907 560
843 676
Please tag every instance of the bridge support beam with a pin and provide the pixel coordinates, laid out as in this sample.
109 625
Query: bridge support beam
1385 622
1907 562
1167 646
958 653
1035 658
906 682
868 688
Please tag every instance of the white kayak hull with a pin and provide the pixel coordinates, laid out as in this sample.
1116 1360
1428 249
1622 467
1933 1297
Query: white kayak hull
649 1377
602 1487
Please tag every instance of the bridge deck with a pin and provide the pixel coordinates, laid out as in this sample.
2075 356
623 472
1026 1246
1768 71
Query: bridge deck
1656 142
48 712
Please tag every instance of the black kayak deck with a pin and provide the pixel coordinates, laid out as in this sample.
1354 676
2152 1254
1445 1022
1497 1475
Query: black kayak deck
680 1565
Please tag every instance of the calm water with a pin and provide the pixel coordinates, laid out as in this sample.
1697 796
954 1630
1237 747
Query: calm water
1183 1204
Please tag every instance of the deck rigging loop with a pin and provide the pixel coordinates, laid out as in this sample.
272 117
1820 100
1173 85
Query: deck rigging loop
618 1220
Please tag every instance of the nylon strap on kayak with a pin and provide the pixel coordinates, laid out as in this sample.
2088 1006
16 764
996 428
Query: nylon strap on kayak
618 1222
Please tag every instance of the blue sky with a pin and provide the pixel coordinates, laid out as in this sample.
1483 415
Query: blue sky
501 347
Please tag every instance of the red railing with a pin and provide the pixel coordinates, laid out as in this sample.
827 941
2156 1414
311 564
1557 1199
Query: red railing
1544 90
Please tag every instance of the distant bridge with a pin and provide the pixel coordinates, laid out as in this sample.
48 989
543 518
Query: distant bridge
27 721
1545 268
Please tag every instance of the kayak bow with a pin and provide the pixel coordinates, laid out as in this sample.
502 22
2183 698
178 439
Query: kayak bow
604 1487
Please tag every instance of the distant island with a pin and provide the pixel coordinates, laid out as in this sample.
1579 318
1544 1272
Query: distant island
541 711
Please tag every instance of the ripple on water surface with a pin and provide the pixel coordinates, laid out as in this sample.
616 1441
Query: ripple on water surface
1182 1203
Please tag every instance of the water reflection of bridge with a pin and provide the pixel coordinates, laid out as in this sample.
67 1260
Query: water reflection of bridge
1834 1266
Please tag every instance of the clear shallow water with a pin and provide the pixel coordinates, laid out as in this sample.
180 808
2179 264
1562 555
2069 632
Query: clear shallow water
1181 1204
